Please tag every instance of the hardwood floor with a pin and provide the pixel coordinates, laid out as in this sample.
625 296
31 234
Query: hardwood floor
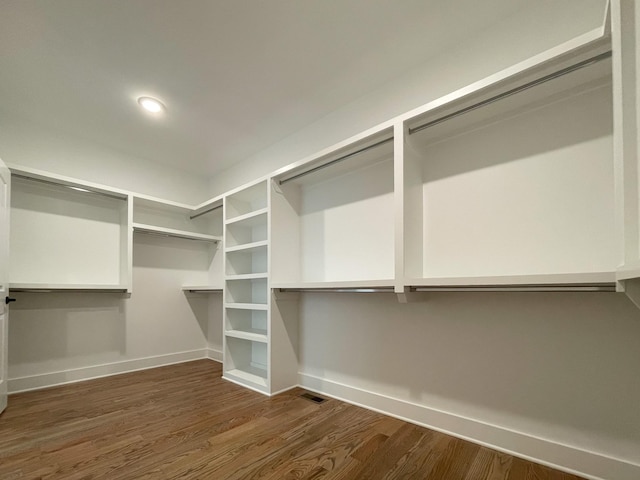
184 421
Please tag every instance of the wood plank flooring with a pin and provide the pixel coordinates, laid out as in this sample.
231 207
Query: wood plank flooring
185 422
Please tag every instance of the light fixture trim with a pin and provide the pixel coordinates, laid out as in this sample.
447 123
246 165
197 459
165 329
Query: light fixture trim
151 105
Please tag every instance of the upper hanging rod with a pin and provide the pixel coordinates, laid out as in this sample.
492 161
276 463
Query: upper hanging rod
513 91
205 211
72 187
340 159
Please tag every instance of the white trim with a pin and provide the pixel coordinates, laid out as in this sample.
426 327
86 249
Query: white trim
567 458
44 380
215 355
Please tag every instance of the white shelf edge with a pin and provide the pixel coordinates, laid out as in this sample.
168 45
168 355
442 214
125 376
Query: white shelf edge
67 287
246 379
628 273
244 335
247 276
172 232
247 216
386 283
247 246
150 201
536 279
247 306
202 288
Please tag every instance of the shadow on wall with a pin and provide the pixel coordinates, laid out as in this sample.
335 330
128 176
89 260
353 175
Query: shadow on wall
55 326
560 365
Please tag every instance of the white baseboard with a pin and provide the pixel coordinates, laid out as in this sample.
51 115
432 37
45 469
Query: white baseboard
36 382
591 465
215 355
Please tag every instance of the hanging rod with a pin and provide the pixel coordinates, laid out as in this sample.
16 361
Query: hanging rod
596 287
72 187
513 91
338 290
205 211
340 159
172 235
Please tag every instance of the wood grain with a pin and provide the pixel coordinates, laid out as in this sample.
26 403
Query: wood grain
185 422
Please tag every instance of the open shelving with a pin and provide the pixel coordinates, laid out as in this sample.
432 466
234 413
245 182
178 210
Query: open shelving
514 186
246 293
333 217
203 224
68 235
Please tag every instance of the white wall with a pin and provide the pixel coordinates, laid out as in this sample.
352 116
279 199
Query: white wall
546 24
558 366
28 144
58 337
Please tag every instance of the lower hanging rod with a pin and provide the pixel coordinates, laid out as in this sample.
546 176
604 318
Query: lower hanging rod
513 91
332 162
599 287
338 290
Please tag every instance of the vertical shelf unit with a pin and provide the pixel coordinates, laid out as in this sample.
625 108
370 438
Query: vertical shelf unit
514 183
68 235
155 216
246 292
333 217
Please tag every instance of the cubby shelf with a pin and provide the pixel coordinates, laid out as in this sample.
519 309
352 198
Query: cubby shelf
172 232
253 335
247 246
251 377
254 218
247 306
247 276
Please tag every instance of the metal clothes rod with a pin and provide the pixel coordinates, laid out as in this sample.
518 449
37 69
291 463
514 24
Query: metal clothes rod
205 211
72 187
518 288
340 159
513 91
172 235
339 290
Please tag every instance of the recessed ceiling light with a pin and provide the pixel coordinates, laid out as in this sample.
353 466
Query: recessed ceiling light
151 104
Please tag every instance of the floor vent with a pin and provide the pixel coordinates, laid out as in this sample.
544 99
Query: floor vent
313 398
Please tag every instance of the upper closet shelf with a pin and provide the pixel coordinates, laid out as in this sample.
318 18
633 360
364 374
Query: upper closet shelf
346 286
171 232
202 288
592 281
57 287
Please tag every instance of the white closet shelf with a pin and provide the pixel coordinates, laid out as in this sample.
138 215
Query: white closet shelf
172 232
202 288
250 219
628 272
254 335
247 276
541 280
349 284
247 246
247 306
58 287
251 377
